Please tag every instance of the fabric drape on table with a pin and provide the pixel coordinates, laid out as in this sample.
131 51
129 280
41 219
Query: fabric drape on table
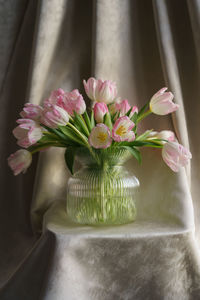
143 46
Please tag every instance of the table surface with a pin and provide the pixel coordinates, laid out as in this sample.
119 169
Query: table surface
141 260
57 221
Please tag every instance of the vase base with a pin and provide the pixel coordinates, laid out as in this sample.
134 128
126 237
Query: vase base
88 212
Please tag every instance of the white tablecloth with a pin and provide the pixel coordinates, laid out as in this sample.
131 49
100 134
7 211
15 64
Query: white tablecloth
141 260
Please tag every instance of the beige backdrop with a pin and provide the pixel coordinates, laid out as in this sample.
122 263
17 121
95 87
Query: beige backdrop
143 45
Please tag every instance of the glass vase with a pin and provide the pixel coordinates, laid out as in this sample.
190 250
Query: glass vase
102 191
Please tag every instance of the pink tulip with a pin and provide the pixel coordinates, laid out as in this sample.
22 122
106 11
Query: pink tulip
100 137
73 101
100 109
161 103
27 133
54 116
134 110
123 107
112 107
31 111
55 97
100 91
175 155
122 130
164 135
20 161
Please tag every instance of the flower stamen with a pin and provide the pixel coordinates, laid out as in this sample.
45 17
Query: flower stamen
121 130
102 136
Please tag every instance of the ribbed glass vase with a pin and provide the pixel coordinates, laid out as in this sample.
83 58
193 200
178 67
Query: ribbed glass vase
102 191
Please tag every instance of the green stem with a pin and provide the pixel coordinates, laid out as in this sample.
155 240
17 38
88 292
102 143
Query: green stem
144 115
83 138
87 129
41 147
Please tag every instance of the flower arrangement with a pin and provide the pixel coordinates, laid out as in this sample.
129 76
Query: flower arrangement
112 123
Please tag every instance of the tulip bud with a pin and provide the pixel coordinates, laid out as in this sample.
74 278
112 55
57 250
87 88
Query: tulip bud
20 161
54 116
167 135
55 97
123 107
175 155
31 111
161 103
100 109
73 101
100 91
27 133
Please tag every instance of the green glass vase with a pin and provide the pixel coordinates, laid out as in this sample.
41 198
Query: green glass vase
102 192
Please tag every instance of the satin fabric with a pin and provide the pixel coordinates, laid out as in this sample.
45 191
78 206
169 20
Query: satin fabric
143 46
141 260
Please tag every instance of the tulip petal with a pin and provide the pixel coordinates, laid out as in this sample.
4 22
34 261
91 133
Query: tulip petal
161 103
175 155
100 109
27 133
20 161
54 116
122 130
99 90
100 137
73 101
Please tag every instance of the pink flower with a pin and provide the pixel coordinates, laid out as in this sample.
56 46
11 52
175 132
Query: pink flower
27 133
123 107
100 91
112 107
20 161
54 116
100 109
100 137
134 110
122 130
31 111
161 103
164 135
55 97
73 101
175 155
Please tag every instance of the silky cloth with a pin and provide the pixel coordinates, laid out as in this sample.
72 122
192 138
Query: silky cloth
143 46
142 260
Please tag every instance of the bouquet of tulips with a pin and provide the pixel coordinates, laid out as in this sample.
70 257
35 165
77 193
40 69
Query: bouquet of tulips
62 121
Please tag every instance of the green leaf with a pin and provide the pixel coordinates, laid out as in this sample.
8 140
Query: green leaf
115 116
69 157
142 110
92 121
107 120
56 132
142 144
135 152
47 139
144 135
79 121
129 111
70 134
39 147
134 118
87 120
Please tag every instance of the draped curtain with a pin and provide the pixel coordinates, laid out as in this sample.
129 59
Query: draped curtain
143 45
